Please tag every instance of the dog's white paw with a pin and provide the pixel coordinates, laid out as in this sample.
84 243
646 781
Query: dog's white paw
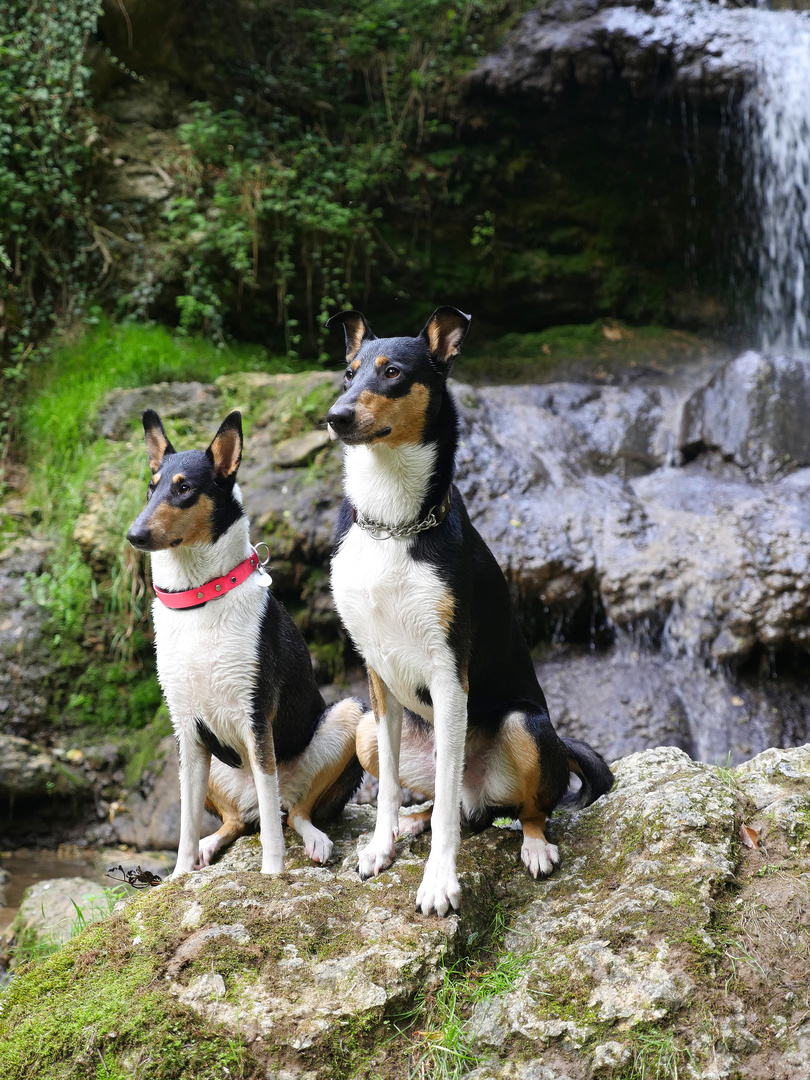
375 858
439 891
538 857
209 846
413 824
318 846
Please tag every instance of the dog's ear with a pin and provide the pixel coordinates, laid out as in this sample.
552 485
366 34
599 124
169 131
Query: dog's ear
356 330
157 444
225 451
444 333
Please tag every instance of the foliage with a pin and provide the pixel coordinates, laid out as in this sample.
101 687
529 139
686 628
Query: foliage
48 244
288 199
31 946
87 608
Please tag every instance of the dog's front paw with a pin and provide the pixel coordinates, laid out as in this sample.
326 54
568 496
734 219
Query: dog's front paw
439 891
373 859
318 846
539 857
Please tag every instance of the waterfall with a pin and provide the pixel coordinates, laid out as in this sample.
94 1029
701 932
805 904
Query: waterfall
776 151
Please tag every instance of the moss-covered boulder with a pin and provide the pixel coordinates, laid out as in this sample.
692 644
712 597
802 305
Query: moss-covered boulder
664 942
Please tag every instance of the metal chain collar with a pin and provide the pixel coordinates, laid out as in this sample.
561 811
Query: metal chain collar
379 531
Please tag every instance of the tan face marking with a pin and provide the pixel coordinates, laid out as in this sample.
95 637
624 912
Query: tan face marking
378 363
355 364
445 610
405 415
177 478
170 523
156 479
376 689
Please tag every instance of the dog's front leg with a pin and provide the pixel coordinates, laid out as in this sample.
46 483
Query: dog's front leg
195 764
379 854
440 890
263 763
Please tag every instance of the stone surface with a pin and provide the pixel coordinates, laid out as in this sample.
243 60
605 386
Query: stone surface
702 52
52 911
150 816
754 412
27 771
661 937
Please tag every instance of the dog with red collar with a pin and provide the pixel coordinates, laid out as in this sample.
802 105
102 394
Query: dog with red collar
253 732
458 713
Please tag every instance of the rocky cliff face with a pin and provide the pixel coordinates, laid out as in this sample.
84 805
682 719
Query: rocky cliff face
663 946
653 529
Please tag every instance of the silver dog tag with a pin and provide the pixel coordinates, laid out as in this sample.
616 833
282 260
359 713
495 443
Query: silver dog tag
264 578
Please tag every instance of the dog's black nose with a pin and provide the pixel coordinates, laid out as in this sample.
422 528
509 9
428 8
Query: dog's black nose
341 418
139 538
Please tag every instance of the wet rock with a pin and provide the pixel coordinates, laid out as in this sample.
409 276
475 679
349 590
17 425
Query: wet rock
27 660
150 817
754 412
196 403
28 771
702 52
52 911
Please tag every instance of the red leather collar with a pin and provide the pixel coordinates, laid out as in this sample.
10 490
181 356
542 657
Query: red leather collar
211 590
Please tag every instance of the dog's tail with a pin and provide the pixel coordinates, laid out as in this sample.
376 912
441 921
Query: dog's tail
592 770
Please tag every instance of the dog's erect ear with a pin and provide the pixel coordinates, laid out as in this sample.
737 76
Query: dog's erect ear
444 333
225 451
157 444
356 330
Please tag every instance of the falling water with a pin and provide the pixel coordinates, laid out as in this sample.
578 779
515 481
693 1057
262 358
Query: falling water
776 127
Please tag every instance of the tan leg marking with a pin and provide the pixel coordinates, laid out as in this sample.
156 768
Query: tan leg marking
414 824
376 689
233 826
367 744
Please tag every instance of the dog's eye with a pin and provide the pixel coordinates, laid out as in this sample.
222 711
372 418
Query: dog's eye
184 489
349 375
149 492
391 372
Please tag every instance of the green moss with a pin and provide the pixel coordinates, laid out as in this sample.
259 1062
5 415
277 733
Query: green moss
570 352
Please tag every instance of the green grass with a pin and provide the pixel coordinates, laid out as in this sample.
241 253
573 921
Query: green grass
68 462
67 391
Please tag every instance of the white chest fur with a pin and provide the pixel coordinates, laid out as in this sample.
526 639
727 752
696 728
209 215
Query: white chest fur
391 606
207 657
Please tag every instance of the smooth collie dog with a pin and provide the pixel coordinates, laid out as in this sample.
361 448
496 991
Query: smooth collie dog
428 608
233 666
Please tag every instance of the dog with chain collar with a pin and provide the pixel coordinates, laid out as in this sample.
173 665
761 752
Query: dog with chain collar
458 713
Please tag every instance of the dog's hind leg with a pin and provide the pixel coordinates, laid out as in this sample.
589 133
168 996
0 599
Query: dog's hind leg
195 762
528 769
417 764
379 854
329 778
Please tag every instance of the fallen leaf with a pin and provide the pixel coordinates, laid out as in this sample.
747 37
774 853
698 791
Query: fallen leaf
612 333
749 837
737 700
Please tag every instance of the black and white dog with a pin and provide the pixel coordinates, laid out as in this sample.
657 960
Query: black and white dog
428 608
235 671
